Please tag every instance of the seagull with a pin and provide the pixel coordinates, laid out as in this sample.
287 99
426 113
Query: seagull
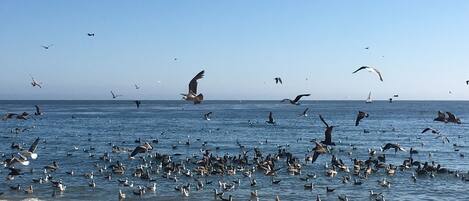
137 102
367 48
141 149
90 34
31 152
192 94
295 102
434 131
271 119
278 80
115 95
47 46
360 116
370 69
35 83
467 82
396 147
136 86
327 133
305 113
38 111
318 150
207 116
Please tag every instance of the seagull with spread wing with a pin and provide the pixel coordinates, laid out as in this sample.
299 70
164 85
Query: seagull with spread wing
114 96
296 100
192 94
370 69
35 83
31 152
327 133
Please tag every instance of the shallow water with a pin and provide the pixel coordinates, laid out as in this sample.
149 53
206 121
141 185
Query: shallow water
98 123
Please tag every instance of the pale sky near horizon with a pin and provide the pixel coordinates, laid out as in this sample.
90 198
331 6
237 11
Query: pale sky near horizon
419 46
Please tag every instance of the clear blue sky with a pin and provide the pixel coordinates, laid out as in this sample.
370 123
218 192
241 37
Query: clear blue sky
242 45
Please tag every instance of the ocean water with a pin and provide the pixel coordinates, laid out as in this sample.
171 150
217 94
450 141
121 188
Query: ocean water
101 123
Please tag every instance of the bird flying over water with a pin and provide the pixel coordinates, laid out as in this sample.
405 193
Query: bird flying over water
318 150
38 110
396 147
295 101
35 83
136 86
192 94
370 69
271 119
137 102
305 112
31 152
360 116
115 95
327 133
207 116
90 34
141 149
278 80
467 82
434 131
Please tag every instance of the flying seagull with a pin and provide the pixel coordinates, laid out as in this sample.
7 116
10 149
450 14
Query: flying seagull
35 83
305 112
360 116
434 131
370 69
90 34
38 111
47 46
271 119
115 95
327 133
137 102
278 80
467 82
31 152
318 150
136 86
295 102
207 116
192 94
367 48
396 147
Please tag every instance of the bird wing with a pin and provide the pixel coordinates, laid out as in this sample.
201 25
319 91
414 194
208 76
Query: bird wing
378 73
113 95
33 147
280 80
306 110
38 110
467 82
360 116
139 149
323 121
361 68
315 156
299 97
426 129
193 83
387 146
271 117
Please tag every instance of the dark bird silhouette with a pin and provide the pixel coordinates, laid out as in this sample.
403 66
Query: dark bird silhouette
136 86
434 131
396 147
360 116
296 100
441 117
452 118
192 94
370 69
141 149
305 112
278 80
327 133
31 152
38 111
114 96
47 46
207 116
271 119
137 102
9 116
35 83
90 34
318 150
367 48
467 82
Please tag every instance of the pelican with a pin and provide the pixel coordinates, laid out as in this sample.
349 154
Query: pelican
192 94
295 101
207 116
271 119
114 95
278 80
327 133
32 149
370 69
35 83
360 116
141 149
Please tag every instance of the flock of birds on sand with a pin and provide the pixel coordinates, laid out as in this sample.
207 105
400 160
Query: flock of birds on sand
247 165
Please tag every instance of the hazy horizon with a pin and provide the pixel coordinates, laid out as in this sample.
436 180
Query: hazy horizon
419 47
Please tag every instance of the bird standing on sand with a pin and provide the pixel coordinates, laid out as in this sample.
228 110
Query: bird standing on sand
360 116
327 133
192 94
370 69
296 100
